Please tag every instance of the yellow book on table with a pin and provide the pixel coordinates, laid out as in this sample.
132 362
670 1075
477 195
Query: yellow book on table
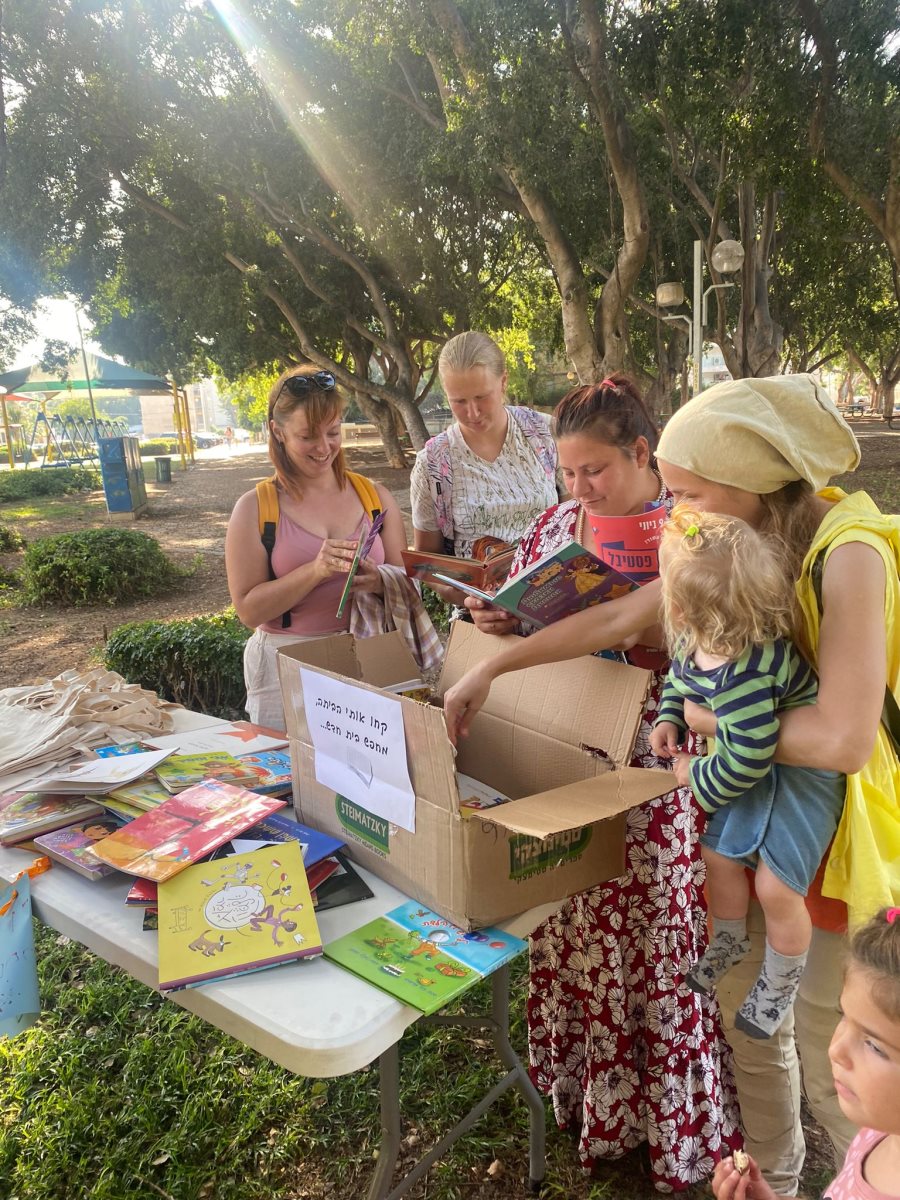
231 915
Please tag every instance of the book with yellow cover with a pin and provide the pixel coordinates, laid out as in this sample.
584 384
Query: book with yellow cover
182 771
236 914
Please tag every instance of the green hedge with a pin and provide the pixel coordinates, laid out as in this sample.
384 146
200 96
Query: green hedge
197 662
51 481
106 566
159 446
10 539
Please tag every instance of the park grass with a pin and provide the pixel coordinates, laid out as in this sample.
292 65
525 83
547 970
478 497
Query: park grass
45 510
119 1095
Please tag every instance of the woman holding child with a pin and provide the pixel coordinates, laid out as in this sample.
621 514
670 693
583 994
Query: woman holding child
626 1050
763 450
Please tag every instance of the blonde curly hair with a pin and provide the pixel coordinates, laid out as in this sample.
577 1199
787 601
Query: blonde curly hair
725 586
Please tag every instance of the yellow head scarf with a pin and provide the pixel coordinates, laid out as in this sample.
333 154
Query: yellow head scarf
761 434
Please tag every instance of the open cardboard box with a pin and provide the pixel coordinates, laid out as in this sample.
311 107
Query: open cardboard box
555 739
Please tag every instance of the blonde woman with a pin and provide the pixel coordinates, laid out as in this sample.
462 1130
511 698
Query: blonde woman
493 471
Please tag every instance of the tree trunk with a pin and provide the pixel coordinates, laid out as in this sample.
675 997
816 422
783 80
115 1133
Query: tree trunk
382 417
758 337
414 421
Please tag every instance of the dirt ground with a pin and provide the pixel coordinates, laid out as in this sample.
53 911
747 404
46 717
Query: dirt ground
188 518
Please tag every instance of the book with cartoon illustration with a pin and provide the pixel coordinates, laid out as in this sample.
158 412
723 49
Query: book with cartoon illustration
183 829
25 814
272 769
237 914
144 794
74 845
484 572
559 583
363 549
420 958
184 770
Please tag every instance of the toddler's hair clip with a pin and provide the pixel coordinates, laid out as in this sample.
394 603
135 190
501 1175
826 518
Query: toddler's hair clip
892 915
692 531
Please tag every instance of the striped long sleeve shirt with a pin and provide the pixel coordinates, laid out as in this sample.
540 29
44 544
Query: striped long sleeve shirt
746 696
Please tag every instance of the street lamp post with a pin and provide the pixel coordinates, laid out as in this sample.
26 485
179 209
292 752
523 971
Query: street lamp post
726 258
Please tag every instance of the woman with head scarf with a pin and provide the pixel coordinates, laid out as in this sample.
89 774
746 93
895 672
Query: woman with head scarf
764 450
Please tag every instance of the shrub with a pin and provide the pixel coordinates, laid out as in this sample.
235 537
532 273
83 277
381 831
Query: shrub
96 566
158 446
438 609
55 481
10 539
197 662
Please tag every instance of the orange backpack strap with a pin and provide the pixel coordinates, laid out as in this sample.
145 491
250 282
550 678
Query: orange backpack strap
267 501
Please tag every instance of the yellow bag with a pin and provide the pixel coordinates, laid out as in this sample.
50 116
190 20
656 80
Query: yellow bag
863 867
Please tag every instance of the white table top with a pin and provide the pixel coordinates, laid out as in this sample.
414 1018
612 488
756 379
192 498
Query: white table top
312 1017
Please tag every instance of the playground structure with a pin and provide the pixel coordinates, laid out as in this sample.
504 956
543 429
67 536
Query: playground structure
70 441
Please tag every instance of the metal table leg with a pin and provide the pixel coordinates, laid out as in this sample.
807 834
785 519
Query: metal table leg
497 1023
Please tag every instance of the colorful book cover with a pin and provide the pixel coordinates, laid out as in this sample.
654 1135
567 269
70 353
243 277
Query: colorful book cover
419 957
479 573
184 770
234 915
240 737
630 545
559 583
100 774
117 749
184 829
73 846
272 769
363 548
281 828
25 814
143 892
143 794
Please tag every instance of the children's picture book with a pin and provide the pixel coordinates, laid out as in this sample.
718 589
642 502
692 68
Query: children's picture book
99 775
559 583
184 770
143 794
142 893
272 769
419 957
23 815
184 829
238 737
280 827
630 545
117 749
475 796
345 886
363 549
120 808
73 846
485 572
237 914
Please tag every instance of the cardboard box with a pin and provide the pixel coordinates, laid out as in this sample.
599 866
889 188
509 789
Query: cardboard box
556 739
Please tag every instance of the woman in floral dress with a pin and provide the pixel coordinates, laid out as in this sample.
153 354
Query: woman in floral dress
625 1049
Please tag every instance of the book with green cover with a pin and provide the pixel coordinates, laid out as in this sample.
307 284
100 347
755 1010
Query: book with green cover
144 794
419 957
182 771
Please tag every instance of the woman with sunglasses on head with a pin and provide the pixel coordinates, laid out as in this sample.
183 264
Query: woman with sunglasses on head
492 472
320 520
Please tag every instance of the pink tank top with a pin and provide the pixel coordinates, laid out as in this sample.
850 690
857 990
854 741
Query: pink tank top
314 616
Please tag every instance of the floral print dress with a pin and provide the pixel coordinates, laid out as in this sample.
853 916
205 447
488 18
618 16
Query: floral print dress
619 1042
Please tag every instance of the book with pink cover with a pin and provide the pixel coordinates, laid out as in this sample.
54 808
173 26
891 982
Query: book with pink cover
184 829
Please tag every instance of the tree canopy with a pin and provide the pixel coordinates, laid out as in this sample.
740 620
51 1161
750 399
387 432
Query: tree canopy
243 186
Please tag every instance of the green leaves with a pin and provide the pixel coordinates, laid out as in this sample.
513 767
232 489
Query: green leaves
96 566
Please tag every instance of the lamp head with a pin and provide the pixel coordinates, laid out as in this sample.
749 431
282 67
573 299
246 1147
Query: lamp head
727 257
669 294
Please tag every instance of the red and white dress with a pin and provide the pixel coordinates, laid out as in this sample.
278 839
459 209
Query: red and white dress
624 1048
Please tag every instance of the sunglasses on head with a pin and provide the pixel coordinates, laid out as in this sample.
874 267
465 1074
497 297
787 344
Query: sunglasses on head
301 385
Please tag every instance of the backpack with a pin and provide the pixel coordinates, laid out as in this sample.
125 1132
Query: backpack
267 500
439 466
